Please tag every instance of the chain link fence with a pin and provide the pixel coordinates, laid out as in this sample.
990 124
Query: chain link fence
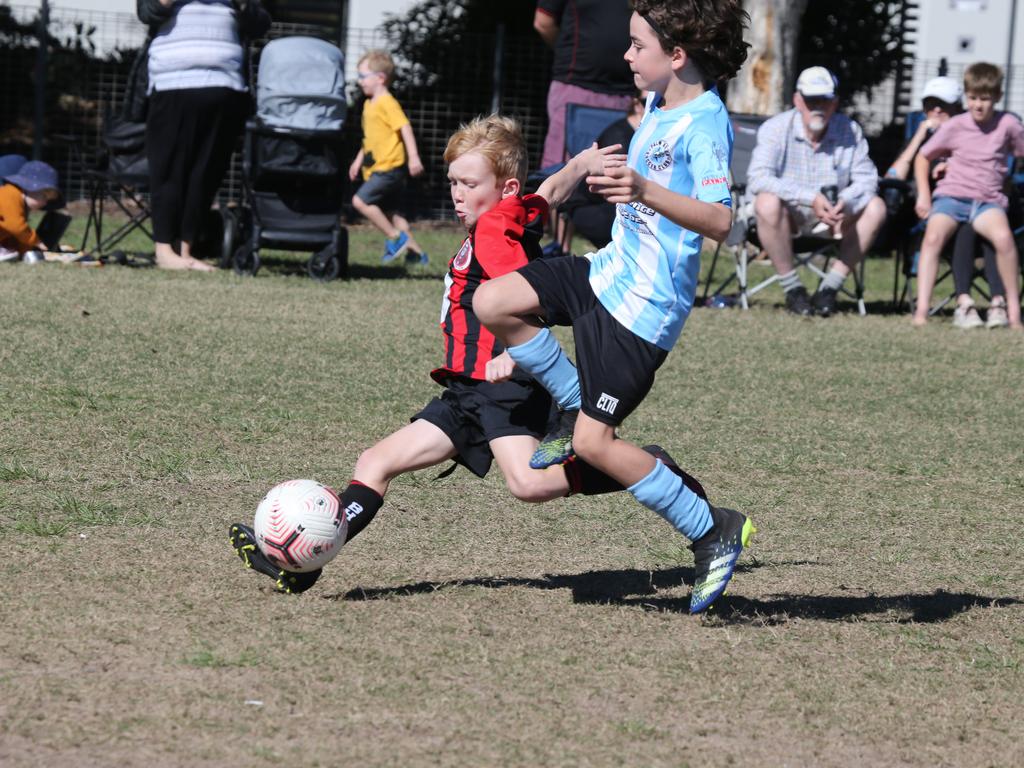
90 53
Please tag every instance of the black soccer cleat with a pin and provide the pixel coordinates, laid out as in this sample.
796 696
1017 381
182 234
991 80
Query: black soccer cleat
243 540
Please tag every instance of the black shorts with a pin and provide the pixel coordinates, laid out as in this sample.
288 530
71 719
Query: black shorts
383 189
616 367
472 413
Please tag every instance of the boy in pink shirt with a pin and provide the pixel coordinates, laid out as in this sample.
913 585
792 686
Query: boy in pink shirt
979 144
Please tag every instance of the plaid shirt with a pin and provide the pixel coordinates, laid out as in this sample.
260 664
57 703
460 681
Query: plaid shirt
786 165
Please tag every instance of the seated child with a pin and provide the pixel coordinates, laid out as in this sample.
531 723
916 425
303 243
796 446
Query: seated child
979 144
32 188
474 421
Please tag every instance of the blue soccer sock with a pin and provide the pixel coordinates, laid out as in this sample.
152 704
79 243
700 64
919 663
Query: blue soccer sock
666 493
543 358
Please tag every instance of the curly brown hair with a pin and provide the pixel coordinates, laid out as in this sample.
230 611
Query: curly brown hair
710 31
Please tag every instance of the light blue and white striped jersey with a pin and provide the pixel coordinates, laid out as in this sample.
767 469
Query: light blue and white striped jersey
646 277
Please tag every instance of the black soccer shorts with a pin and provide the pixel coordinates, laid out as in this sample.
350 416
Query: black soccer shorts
472 413
616 367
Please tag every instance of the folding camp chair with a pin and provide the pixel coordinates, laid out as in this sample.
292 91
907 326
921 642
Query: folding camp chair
810 252
583 124
909 243
121 175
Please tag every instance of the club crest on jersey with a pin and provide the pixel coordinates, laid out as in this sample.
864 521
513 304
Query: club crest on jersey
720 153
463 257
658 155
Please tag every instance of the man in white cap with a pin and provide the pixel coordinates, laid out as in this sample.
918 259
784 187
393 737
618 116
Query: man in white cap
801 154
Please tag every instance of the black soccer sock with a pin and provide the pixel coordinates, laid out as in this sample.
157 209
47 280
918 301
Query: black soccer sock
360 504
588 480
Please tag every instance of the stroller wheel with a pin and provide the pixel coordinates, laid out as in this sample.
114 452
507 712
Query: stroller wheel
228 237
246 261
324 265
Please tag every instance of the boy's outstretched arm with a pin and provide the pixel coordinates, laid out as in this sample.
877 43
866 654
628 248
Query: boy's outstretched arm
411 150
621 184
557 187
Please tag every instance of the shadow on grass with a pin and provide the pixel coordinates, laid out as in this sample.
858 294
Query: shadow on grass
640 589
282 265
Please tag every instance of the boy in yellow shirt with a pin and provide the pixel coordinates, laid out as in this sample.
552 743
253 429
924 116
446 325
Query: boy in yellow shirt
387 141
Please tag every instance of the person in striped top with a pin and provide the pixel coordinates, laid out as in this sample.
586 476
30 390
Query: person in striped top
628 302
489 410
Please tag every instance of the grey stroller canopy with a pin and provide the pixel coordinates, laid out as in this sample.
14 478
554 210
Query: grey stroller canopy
301 85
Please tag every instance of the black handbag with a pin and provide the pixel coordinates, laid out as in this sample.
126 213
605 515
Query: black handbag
136 97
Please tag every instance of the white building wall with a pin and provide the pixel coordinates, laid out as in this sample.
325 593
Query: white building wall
966 31
363 31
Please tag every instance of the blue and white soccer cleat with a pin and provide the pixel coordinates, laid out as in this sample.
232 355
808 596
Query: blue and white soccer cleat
556 447
715 555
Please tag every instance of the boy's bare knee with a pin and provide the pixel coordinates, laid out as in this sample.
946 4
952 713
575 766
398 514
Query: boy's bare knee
589 446
524 486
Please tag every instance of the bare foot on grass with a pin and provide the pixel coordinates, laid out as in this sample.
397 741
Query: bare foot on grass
175 262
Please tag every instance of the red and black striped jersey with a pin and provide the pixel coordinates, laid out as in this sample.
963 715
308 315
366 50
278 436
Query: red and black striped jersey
504 239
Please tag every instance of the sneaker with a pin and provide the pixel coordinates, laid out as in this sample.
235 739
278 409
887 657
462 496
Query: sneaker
997 317
243 540
556 447
966 316
417 259
824 302
395 248
551 251
798 303
715 555
689 480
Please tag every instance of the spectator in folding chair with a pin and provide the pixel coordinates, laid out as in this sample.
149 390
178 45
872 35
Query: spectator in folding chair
941 99
590 214
799 155
979 144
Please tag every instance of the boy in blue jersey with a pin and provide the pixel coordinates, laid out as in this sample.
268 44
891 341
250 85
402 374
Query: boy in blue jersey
627 303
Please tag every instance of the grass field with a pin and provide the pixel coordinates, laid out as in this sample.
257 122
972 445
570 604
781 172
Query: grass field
877 621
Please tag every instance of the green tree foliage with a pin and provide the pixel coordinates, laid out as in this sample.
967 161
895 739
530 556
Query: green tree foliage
861 42
439 39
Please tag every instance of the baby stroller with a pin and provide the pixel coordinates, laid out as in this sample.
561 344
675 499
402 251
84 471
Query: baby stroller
292 180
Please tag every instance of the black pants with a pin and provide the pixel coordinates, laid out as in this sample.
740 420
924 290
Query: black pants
964 252
190 135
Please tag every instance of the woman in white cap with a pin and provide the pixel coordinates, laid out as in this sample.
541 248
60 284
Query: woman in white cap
941 99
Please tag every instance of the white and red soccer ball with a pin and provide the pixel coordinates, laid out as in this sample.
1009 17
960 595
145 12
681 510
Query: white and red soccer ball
300 525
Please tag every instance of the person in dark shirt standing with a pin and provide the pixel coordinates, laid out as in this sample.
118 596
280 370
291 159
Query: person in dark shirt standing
588 37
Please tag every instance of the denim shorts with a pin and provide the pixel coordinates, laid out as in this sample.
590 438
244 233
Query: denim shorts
383 188
961 209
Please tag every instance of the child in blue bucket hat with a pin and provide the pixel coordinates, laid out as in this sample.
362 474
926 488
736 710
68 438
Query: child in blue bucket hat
32 187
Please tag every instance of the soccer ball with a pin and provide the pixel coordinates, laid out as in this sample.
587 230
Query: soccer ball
300 525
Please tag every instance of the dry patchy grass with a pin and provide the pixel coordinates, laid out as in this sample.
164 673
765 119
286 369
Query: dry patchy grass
877 621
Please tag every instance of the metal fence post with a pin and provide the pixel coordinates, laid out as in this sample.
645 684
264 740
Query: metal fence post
39 118
499 75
